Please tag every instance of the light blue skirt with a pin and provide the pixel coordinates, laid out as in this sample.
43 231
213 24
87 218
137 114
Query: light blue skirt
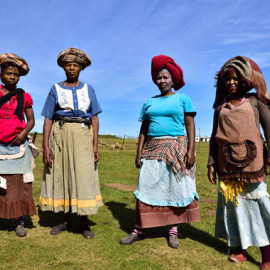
19 165
157 185
249 223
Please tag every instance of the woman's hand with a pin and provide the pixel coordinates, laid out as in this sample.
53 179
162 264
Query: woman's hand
212 174
96 155
141 142
47 152
30 124
189 159
20 138
47 156
138 160
95 126
267 163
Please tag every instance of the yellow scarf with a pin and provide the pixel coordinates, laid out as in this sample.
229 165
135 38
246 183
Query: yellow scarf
231 189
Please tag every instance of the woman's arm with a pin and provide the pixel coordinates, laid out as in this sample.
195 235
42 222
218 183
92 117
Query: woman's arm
213 150
47 153
190 154
142 140
264 113
30 124
95 126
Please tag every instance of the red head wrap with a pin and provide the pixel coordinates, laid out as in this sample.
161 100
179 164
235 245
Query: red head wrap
165 62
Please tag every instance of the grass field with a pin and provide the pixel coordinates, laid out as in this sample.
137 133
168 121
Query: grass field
199 249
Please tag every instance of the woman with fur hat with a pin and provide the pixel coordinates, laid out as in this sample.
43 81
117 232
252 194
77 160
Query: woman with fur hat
166 191
70 146
16 197
238 156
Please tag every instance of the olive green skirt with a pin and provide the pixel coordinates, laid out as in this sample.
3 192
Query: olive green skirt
72 184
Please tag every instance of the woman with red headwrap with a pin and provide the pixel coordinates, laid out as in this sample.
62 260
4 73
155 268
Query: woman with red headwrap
16 198
238 156
166 191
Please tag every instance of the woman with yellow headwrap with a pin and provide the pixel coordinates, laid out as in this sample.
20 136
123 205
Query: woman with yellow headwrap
238 156
70 151
16 198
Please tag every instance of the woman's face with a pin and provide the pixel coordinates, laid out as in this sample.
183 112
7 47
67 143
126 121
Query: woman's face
164 82
10 77
72 71
232 83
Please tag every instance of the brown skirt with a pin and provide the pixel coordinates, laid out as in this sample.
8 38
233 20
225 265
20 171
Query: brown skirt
17 199
148 216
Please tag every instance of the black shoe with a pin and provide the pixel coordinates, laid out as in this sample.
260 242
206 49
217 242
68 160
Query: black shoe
129 240
59 228
173 241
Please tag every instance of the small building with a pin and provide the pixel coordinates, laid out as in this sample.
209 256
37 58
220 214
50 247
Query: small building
202 139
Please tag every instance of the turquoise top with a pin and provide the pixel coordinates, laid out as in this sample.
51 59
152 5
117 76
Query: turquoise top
166 114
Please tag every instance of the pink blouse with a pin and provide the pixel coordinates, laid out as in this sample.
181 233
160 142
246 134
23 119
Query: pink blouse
11 124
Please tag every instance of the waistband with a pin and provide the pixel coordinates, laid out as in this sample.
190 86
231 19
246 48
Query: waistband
65 119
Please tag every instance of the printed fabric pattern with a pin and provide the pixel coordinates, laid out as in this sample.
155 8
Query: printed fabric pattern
170 150
163 178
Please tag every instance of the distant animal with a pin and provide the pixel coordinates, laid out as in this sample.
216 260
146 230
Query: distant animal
112 147
103 143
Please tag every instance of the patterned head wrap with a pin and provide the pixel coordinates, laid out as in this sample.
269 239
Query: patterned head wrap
7 59
165 62
251 76
73 55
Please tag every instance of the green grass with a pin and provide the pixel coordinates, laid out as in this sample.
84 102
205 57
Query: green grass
199 249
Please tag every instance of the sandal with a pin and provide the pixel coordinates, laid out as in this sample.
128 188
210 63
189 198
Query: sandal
20 230
59 228
18 227
87 233
130 239
265 266
237 258
173 241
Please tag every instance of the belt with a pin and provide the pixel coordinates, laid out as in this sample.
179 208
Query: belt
65 119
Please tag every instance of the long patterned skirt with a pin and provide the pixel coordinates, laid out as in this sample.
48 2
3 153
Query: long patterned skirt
164 197
72 184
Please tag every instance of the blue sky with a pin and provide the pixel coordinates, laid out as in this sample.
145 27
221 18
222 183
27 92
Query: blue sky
122 36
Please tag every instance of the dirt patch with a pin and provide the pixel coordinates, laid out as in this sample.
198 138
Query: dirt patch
208 200
121 186
210 213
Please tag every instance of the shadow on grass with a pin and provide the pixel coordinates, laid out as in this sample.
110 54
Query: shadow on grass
125 217
7 224
50 219
208 240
